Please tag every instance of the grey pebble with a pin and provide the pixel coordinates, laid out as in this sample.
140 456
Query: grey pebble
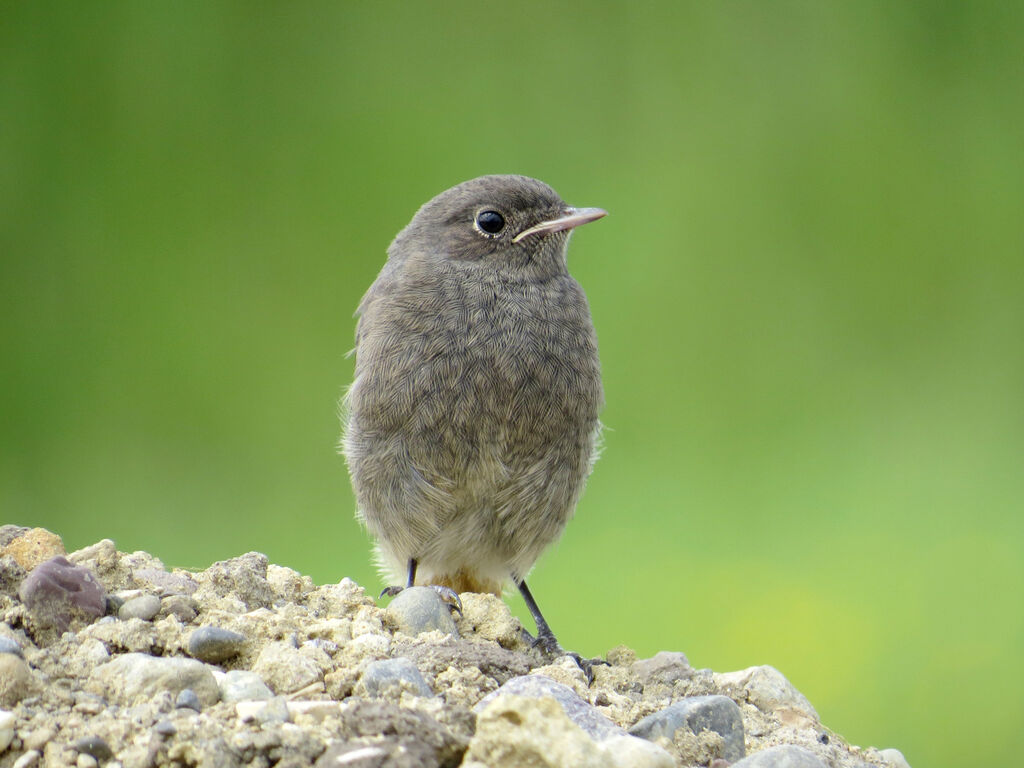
380 675
143 607
95 746
663 667
242 685
182 607
167 583
132 678
215 644
714 713
579 711
276 711
165 728
782 756
187 699
421 609
7 645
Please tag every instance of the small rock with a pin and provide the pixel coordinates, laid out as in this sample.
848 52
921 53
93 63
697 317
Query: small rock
894 758
16 681
767 689
782 756
421 609
524 730
95 746
165 728
242 578
663 667
32 547
86 761
697 713
182 607
187 699
285 668
243 685
215 644
7 645
133 676
399 673
58 594
596 725
144 607
631 752
273 710
38 739
11 576
6 729
166 584
28 759
382 755
486 616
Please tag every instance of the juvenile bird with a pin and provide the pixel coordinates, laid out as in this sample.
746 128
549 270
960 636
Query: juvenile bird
473 416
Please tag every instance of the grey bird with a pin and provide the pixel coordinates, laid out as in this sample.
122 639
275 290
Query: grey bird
472 422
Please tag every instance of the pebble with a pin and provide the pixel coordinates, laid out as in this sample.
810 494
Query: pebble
421 609
32 547
215 644
663 667
144 607
243 685
894 758
136 677
165 728
6 729
187 699
714 713
274 710
782 756
398 673
95 746
86 761
28 759
7 645
38 739
183 608
166 583
767 689
596 725
56 591
16 680
287 669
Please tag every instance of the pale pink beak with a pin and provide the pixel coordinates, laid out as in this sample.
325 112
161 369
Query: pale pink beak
571 217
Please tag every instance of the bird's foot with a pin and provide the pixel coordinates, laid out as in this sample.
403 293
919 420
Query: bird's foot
547 644
448 595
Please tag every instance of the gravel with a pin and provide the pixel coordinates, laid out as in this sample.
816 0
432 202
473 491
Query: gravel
248 663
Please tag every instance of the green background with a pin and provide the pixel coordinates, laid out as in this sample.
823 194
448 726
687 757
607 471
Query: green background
809 295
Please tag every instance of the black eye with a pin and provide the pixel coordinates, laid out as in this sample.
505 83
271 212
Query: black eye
490 222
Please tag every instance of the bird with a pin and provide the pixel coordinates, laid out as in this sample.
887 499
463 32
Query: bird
472 422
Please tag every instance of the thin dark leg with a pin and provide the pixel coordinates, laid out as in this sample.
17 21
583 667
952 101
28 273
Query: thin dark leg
412 572
545 637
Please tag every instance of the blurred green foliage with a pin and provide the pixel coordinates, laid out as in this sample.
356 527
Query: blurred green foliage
809 295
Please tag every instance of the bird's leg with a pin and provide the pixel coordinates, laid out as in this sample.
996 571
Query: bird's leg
395 589
546 640
448 595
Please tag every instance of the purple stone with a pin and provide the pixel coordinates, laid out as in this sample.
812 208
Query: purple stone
57 590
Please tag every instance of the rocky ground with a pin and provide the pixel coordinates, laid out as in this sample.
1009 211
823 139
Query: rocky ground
109 659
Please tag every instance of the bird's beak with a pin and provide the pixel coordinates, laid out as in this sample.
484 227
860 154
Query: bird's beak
570 218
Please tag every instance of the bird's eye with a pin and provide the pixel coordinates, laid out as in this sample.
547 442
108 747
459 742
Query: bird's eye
490 222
